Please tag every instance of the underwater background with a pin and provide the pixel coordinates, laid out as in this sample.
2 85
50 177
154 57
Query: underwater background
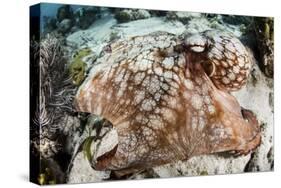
81 33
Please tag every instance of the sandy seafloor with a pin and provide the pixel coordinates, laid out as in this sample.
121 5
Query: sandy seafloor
256 96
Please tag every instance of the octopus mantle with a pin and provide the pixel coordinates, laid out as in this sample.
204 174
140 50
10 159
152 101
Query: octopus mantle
168 98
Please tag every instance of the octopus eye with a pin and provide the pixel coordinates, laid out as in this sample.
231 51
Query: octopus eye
196 43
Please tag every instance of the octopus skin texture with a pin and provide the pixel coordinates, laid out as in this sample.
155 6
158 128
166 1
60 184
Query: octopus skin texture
168 99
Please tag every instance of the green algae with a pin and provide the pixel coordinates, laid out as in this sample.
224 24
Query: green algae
77 68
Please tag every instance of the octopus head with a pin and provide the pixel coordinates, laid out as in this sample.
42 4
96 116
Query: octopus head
223 57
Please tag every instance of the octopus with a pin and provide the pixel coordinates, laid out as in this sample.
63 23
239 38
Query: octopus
169 98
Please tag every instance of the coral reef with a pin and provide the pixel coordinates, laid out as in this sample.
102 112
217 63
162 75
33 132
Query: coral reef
85 16
65 26
184 17
265 35
64 19
68 20
50 172
119 58
50 24
64 12
127 15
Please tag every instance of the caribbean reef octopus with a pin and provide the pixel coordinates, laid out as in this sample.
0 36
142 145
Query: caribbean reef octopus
168 98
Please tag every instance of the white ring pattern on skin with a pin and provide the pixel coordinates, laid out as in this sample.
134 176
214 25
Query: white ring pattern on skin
164 99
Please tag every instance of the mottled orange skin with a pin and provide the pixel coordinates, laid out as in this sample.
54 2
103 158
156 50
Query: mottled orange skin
163 104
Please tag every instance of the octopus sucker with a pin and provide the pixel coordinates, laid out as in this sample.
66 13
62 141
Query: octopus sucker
173 106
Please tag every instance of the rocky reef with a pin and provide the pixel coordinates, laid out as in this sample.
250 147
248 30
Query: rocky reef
126 15
264 30
68 20
77 45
